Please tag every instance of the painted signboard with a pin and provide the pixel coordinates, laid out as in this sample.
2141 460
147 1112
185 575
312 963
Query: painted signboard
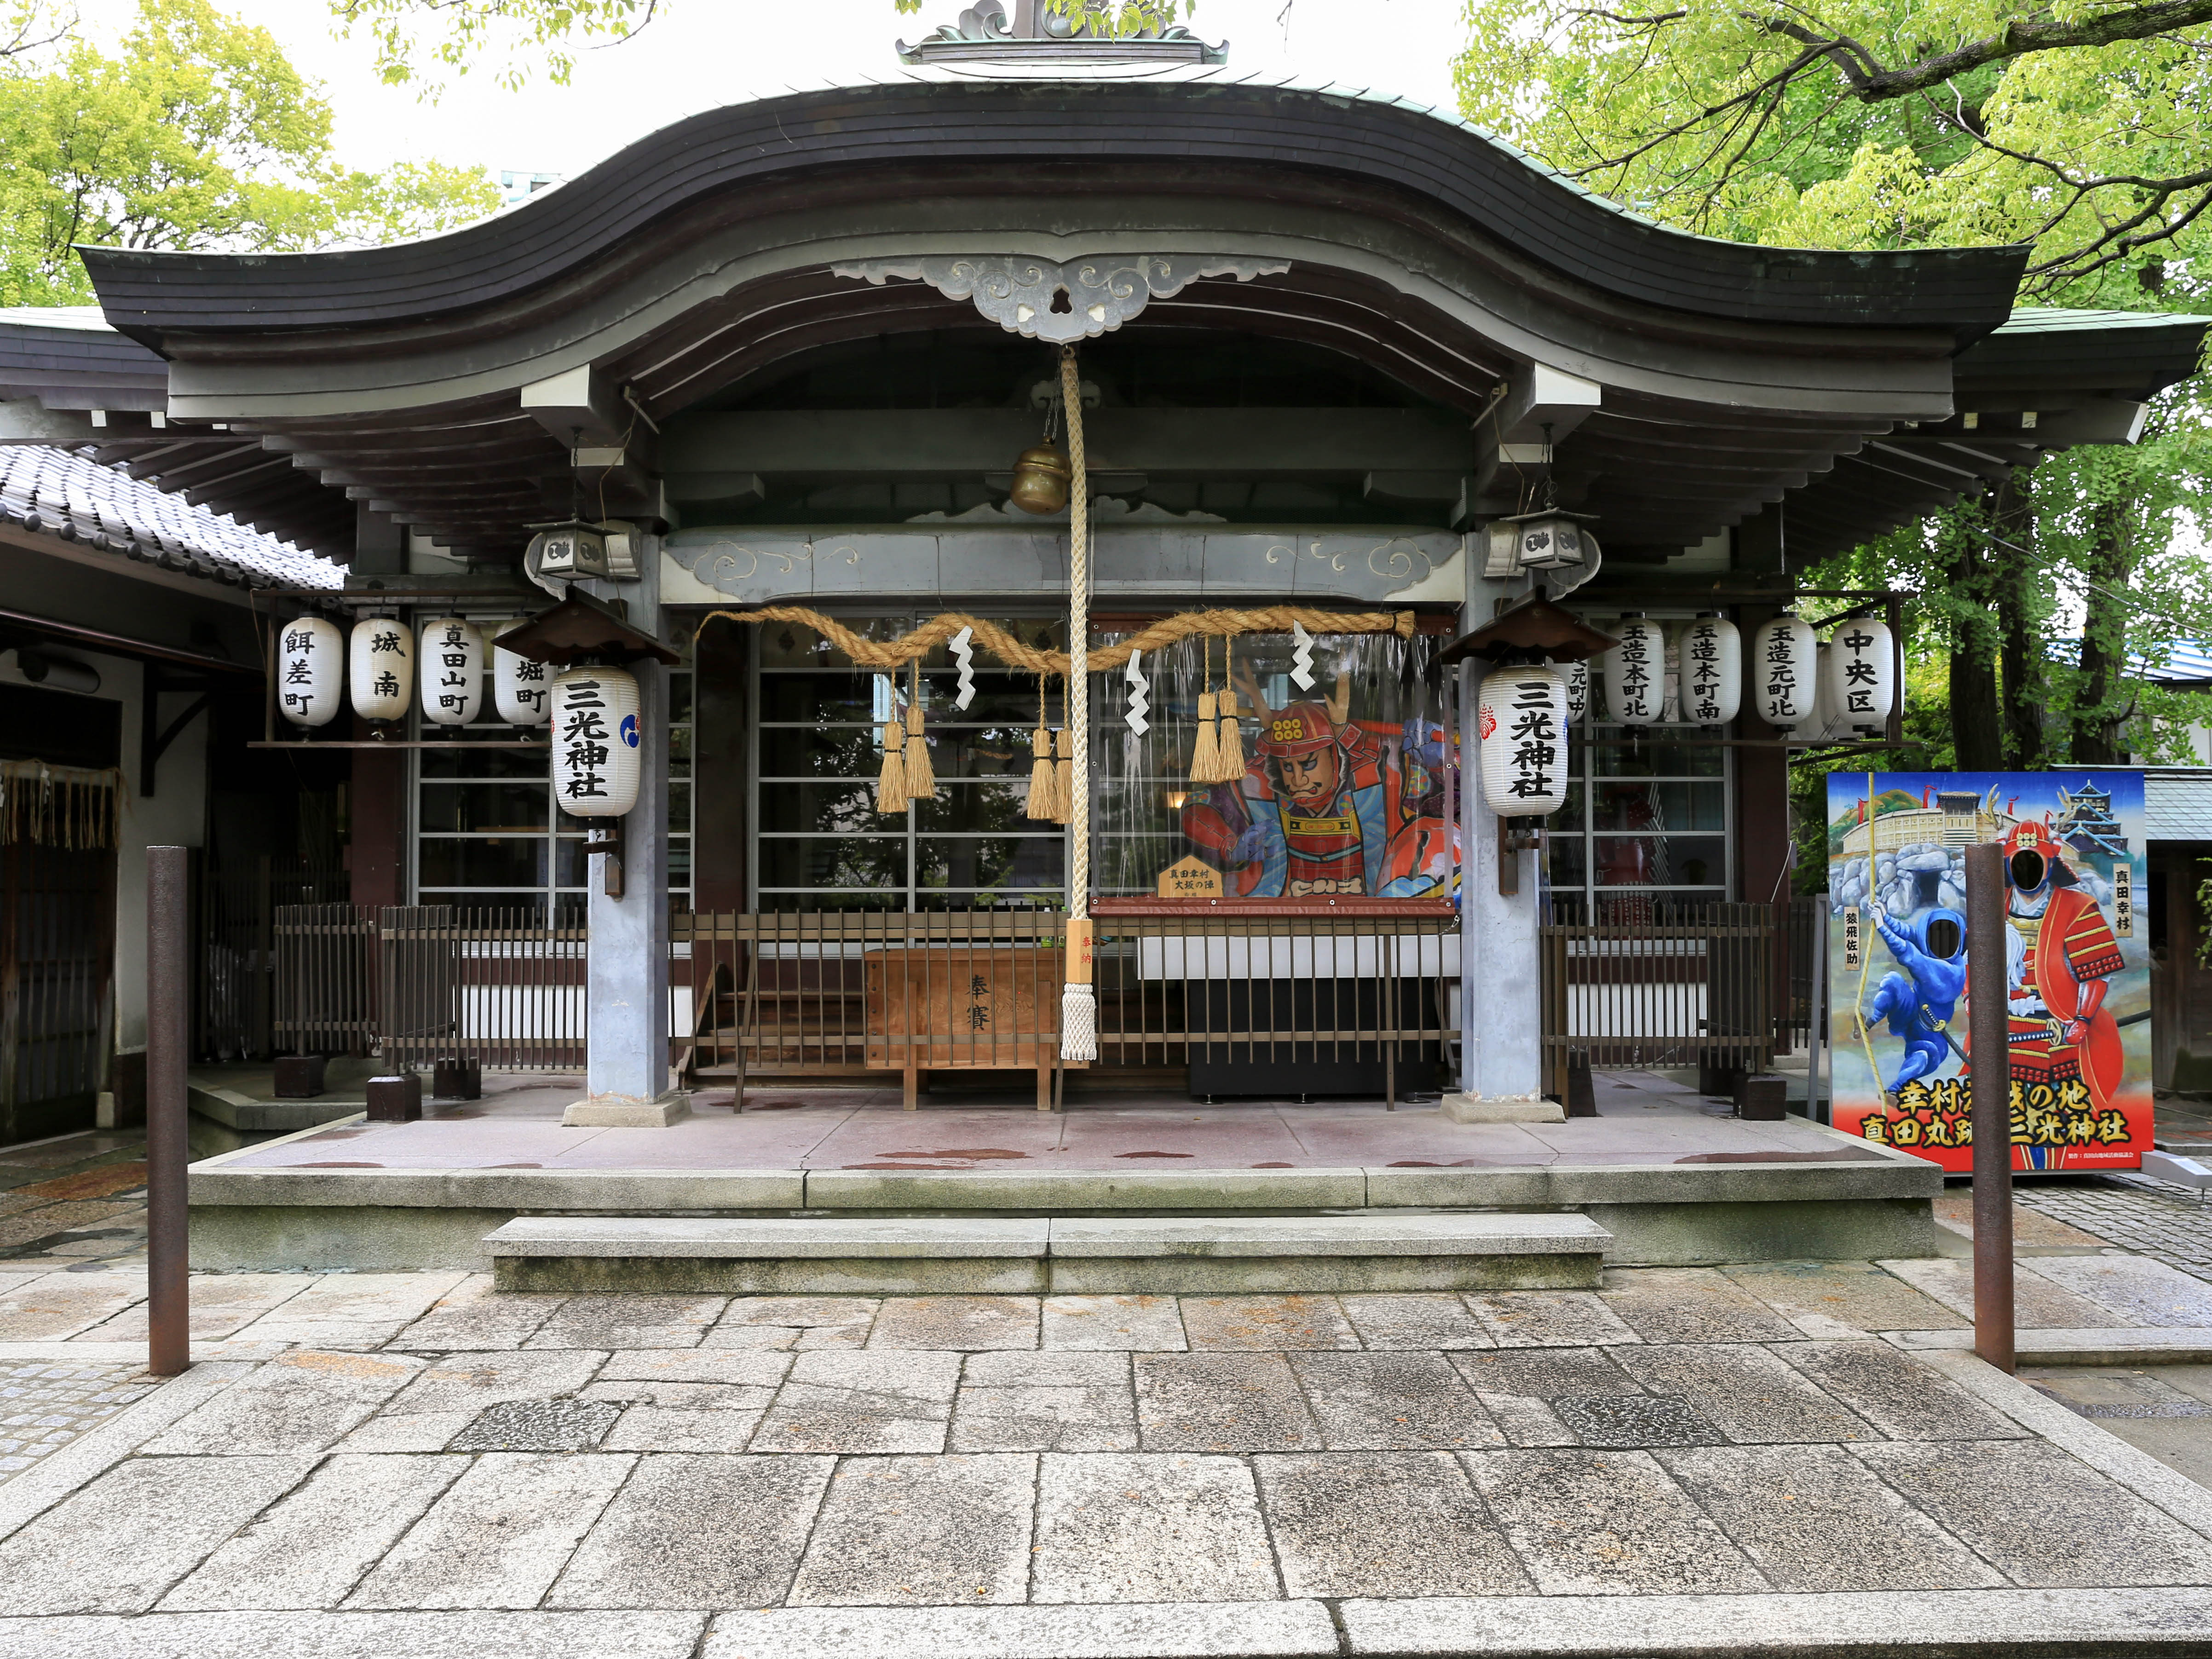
2076 972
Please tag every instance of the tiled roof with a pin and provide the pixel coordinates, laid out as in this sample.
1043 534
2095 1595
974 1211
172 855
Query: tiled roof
64 493
2178 803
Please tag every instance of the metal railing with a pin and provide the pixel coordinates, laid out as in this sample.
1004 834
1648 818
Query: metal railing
1666 986
238 994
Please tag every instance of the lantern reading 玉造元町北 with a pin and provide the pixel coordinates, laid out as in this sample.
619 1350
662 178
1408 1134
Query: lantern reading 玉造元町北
1712 669
521 689
310 672
1521 720
1861 672
1783 666
381 668
595 742
453 671
1635 672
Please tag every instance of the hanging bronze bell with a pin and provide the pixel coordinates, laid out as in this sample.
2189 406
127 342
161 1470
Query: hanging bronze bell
1041 480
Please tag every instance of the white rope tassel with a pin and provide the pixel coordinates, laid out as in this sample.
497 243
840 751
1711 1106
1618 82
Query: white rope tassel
1078 1008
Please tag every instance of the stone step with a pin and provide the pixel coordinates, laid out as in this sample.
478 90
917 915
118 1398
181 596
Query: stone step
1072 1255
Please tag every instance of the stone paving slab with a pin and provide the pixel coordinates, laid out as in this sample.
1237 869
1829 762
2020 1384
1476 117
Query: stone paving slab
1287 1630
44 1404
1146 1526
921 1531
663 1542
1406 1523
2038 1303
507 1635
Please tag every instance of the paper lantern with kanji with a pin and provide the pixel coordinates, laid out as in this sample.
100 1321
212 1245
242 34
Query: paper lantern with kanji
1861 672
1783 664
381 668
1577 673
1521 718
595 742
1635 672
521 690
310 672
453 671
1713 671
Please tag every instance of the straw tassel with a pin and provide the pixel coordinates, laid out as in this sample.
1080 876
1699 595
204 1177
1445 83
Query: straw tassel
891 782
1063 795
1231 747
1205 752
1039 804
921 775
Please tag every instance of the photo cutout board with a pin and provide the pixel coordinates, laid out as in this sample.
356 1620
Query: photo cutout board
2076 969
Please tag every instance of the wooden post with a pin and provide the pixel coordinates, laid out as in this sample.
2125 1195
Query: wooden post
168 1285
1992 1105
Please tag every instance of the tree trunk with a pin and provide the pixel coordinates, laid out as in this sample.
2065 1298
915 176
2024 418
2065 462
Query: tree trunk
1977 744
2101 704
2020 645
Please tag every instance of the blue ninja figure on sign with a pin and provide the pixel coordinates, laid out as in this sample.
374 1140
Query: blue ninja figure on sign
1919 1003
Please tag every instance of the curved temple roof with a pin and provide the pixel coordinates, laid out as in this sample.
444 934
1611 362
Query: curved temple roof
1022 127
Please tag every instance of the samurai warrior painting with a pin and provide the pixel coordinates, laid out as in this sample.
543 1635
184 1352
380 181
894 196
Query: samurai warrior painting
1920 1002
2060 956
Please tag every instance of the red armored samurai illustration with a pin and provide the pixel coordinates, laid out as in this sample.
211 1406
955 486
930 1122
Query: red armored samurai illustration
2060 953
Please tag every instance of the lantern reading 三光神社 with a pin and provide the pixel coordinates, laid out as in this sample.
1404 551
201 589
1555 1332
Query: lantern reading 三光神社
595 742
453 671
521 689
1635 672
381 668
1713 671
1861 672
1782 665
1520 718
310 672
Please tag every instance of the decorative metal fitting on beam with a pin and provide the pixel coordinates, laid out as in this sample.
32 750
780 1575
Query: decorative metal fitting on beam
1061 303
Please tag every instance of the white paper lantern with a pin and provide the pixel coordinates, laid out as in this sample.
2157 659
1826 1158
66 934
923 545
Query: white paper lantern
310 672
453 671
1577 673
595 738
1860 672
521 690
1713 671
1784 680
1521 717
1635 672
381 668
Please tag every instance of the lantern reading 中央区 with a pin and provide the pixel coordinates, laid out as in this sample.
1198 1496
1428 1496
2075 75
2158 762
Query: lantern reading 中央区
453 671
381 668
1635 672
1782 665
1713 671
1861 672
310 672
595 742
521 689
1520 718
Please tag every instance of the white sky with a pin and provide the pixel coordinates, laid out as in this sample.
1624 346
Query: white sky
699 54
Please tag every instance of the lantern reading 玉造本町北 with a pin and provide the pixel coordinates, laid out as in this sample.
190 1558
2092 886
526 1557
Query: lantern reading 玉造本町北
381 668
1635 672
1521 718
310 672
595 742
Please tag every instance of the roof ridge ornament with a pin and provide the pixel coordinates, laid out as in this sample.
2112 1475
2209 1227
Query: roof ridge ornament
1026 297
1037 39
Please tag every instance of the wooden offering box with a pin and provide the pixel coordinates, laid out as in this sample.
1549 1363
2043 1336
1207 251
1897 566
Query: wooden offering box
964 1008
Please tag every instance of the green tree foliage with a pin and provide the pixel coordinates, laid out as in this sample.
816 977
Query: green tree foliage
199 134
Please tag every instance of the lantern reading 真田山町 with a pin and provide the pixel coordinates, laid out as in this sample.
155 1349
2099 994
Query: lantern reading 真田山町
521 689
310 672
1635 672
595 742
381 668
1521 718
1713 671
1783 664
1861 671
453 671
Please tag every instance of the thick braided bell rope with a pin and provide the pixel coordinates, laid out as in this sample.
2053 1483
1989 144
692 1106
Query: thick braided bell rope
1078 1007
1007 648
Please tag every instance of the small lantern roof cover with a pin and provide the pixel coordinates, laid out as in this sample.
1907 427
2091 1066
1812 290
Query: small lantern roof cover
580 630
1534 627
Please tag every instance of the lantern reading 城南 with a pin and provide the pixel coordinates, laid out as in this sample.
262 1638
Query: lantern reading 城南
595 742
310 672
521 689
1521 718
1784 661
1635 672
453 671
1713 671
1861 672
381 668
